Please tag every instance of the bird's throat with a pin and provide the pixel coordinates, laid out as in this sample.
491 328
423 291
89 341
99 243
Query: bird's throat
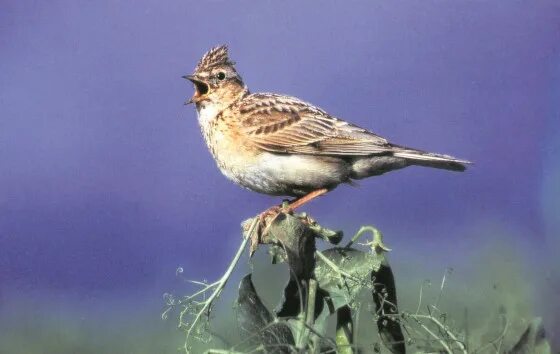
207 111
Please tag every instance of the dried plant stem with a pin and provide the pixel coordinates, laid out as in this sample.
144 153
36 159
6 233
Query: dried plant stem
311 296
498 340
217 287
443 328
309 316
222 351
435 336
420 297
344 330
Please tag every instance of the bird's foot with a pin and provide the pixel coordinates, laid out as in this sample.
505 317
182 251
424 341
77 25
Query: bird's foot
270 214
264 220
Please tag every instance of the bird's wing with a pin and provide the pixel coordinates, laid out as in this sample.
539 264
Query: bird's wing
284 124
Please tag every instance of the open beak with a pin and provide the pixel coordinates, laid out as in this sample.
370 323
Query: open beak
200 88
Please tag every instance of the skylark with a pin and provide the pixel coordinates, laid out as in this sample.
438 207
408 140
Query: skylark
280 145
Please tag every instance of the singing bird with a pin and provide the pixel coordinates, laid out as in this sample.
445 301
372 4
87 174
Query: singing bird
282 146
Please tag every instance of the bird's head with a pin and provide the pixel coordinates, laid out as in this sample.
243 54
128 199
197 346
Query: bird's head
215 79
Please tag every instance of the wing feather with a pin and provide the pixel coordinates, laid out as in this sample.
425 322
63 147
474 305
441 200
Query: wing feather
285 124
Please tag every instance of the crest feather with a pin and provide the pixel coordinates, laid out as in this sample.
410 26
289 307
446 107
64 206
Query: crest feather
215 56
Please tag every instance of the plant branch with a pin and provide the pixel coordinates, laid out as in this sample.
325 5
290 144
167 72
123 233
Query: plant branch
217 287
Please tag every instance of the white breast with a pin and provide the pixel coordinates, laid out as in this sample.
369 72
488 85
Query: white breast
206 113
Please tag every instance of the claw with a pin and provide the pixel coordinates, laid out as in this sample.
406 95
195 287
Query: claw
265 219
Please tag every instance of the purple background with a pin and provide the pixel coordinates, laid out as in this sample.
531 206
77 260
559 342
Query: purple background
106 185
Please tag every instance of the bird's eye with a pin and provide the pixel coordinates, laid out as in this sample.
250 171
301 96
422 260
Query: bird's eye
221 75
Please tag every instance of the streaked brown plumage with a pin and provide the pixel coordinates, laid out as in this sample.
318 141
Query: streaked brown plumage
280 145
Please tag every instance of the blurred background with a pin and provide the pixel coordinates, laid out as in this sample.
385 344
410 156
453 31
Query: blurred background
107 187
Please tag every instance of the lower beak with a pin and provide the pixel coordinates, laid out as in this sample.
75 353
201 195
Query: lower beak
197 83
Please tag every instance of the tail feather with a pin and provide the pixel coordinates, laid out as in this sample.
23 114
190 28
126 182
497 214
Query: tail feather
428 159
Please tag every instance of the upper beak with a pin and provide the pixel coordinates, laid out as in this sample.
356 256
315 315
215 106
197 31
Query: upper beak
200 86
189 77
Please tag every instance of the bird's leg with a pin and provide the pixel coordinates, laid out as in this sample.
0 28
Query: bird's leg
267 216
293 205
305 199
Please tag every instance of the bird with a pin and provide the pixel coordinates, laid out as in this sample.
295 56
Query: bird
283 146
